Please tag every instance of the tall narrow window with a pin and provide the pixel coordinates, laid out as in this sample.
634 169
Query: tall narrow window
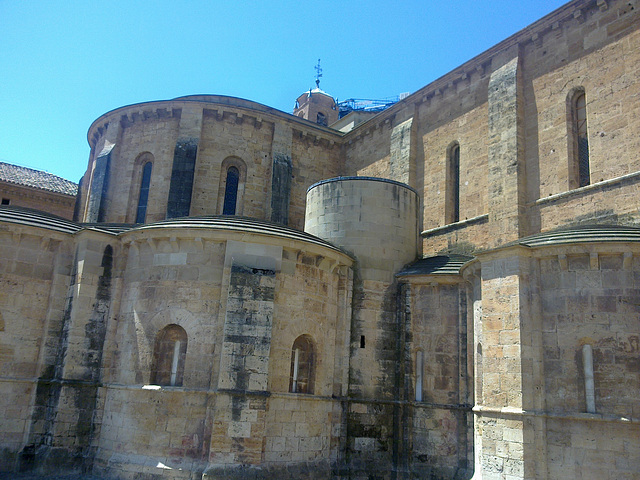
419 375
231 191
452 206
233 176
169 356
478 375
589 385
143 199
302 365
580 138
321 119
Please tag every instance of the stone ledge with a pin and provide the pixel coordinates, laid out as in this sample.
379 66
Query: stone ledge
303 396
163 388
519 412
17 380
455 226
629 178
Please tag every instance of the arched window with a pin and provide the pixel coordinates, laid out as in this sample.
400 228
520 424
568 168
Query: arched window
233 176
302 365
452 203
143 198
140 188
578 136
231 191
579 110
168 356
321 119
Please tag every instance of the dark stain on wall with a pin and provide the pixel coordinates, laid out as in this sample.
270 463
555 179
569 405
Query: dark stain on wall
181 186
280 188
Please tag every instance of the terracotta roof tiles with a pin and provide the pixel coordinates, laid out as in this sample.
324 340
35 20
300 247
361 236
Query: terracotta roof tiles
29 177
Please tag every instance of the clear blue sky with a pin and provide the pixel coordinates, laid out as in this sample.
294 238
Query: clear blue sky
64 63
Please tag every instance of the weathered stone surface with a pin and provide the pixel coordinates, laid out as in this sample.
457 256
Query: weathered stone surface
99 186
476 369
181 185
280 189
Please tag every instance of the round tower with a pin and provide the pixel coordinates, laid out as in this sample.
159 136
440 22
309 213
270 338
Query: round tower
373 218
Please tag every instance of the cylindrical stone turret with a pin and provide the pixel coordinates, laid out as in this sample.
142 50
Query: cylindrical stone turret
373 218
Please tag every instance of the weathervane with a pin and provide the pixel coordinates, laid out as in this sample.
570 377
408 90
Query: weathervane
318 74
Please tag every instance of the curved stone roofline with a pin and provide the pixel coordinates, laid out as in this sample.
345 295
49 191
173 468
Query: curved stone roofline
581 234
223 100
36 218
239 223
372 179
436 265
574 235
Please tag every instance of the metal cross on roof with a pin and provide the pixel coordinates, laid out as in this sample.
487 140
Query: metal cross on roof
318 73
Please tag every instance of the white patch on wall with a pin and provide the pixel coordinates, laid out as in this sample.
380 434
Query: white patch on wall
239 430
253 255
179 258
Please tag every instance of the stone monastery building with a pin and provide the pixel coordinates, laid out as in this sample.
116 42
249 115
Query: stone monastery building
451 289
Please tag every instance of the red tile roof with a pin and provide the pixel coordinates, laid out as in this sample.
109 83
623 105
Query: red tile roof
36 179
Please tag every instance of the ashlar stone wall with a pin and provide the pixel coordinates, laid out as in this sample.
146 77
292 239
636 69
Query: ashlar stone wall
589 297
140 134
233 407
516 164
55 203
194 142
34 282
230 134
439 422
539 309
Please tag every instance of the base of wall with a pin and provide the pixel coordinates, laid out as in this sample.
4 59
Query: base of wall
8 460
139 467
312 471
44 460
142 467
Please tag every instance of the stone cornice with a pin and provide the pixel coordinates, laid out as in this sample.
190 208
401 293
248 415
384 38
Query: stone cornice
166 109
482 63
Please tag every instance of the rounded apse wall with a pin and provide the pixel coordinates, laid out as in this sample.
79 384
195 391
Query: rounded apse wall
373 218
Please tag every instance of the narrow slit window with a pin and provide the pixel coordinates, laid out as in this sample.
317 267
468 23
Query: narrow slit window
478 375
582 138
419 375
589 384
231 191
143 199
453 184
174 363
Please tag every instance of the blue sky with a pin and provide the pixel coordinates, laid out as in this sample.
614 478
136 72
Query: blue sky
65 63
